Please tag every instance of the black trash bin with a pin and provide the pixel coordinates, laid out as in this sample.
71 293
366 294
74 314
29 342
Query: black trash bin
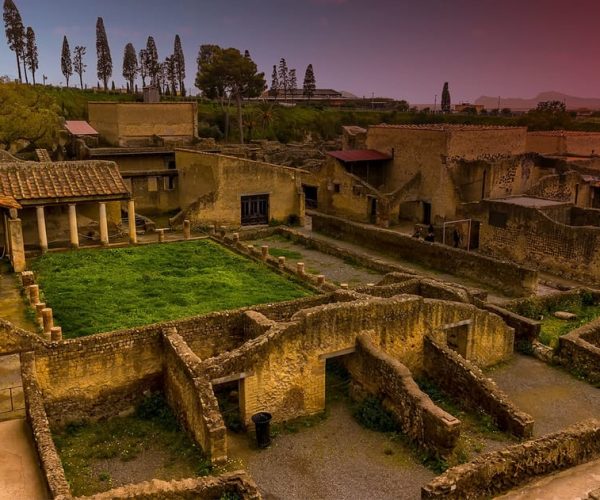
262 424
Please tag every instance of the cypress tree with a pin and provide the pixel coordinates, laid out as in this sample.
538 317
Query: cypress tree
143 61
15 31
78 64
104 66
283 77
293 82
130 65
274 82
309 82
446 102
179 61
31 52
152 63
66 65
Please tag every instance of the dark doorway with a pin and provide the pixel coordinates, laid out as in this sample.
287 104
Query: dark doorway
373 210
457 338
255 210
596 197
311 196
228 396
426 213
483 186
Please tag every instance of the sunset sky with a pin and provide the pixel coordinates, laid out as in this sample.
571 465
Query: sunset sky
396 48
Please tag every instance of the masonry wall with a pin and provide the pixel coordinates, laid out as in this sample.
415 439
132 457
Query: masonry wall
531 237
466 383
579 351
567 187
547 144
471 144
494 473
211 187
506 276
419 418
152 192
122 124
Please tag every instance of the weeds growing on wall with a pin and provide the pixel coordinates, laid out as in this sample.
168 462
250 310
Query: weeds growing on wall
149 444
92 291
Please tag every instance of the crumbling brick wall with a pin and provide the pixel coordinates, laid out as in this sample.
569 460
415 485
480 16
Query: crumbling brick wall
579 351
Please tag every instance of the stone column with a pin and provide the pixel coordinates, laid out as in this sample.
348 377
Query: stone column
41 221
17 247
186 230
103 225
73 226
47 321
131 218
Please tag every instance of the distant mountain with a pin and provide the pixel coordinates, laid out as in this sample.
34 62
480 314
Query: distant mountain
520 104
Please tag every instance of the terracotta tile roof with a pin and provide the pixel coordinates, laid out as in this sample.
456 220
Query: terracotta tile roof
76 127
8 202
29 182
352 155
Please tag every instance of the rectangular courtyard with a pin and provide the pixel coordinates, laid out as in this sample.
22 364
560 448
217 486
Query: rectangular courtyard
93 291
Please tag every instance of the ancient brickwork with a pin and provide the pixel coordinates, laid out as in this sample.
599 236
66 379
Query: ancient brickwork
419 418
49 460
506 276
191 397
499 471
579 351
526 330
230 485
466 383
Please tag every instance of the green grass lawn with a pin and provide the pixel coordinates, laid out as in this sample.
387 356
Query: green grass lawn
553 328
92 291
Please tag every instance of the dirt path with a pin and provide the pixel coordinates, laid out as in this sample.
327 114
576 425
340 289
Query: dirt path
551 396
572 484
336 459
20 476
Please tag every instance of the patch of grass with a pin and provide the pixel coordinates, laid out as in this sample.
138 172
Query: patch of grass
83 446
553 328
94 291
371 414
288 254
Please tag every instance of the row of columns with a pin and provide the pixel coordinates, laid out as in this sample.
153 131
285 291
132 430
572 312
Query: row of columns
74 230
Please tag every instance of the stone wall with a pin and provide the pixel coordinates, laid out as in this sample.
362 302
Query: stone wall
497 472
192 398
211 187
419 418
50 463
579 351
532 237
526 330
466 383
235 484
506 276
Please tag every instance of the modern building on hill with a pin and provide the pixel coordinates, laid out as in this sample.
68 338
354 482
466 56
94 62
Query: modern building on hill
298 95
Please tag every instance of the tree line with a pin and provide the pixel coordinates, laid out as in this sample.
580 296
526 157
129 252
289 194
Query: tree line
283 80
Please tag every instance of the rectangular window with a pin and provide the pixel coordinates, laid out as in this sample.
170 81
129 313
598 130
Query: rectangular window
498 219
152 184
255 210
169 183
336 187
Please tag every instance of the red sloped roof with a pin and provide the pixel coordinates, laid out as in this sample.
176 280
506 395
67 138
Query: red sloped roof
359 155
79 128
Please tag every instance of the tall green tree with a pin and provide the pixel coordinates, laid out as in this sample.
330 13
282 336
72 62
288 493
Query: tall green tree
78 64
171 75
310 83
179 61
284 81
143 61
66 65
104 64
226 75
293 83
446 101
15 32
152 63
274 82
130 65
31 52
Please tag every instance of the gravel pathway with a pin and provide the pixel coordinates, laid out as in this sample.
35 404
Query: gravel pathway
551 396
336 459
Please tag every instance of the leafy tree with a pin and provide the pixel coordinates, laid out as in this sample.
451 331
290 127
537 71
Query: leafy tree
112 86
66 65
143 60
274 82
171 75
179 61
446 101
105 66
27 114
310 84
152 62
130 65
553 107
31 52
284 78
78 64
15 31
293 82
225 74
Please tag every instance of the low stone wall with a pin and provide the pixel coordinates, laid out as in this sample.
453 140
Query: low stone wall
417 415
579 351
192 398
497 472
506 276
466 382
35 412
200 488
526 330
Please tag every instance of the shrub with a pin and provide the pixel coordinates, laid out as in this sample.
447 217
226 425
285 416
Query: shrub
371 414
